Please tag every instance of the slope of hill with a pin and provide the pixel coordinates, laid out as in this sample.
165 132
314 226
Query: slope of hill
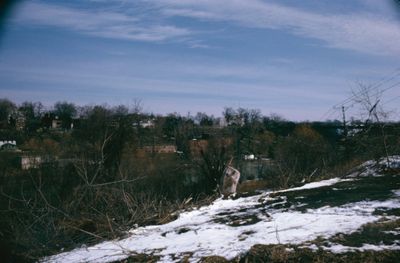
359 212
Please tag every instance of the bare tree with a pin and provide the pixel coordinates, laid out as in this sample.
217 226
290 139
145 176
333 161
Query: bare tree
368 98
136 106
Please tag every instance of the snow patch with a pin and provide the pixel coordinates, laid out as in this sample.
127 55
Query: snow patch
204 237
338 248
373 168
328 182
229 228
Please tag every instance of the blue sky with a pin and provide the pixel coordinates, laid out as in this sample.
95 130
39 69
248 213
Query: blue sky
294 58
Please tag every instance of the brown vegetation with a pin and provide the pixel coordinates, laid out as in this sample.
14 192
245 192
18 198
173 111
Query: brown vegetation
99 181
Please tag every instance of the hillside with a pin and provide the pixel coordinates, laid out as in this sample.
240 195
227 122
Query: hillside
359 212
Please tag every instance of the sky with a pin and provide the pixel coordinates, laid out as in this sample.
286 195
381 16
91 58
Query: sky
294 58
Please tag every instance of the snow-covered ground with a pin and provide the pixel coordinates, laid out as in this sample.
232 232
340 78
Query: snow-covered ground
371 167
231 227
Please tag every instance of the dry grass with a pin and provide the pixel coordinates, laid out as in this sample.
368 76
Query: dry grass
214 259
251 186
141 258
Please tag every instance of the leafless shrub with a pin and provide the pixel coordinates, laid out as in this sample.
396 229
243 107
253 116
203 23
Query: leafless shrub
371 109
50 213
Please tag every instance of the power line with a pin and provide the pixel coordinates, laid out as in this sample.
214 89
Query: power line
379 83
372 87
392 99
394 74
375 94
386 89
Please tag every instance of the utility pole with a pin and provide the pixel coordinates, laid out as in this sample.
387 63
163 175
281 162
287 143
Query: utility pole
344 122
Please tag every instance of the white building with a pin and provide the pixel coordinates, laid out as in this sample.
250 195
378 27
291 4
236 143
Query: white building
8 145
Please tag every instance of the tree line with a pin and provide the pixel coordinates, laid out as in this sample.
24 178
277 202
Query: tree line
104 176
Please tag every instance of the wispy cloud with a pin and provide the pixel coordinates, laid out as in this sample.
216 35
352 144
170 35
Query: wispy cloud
361 31
364 32
205 80
107 24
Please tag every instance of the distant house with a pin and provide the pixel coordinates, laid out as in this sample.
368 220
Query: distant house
249 157
18 120
20 123
56 123
169 148
22 159
147 124
30 161
221 123
236 121
8 146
